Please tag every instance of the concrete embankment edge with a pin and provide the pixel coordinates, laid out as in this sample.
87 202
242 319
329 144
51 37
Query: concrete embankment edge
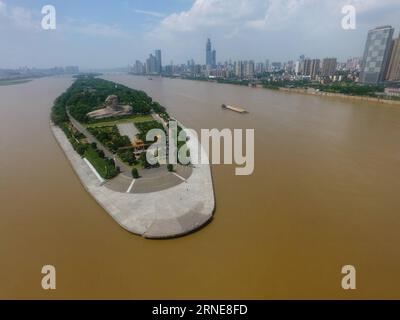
169 213
340 95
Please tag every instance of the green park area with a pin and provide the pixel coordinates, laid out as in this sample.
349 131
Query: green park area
110 137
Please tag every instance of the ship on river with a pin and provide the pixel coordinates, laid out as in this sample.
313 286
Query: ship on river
236 109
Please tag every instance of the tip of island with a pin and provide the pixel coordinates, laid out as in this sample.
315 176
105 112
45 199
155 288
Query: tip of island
101 127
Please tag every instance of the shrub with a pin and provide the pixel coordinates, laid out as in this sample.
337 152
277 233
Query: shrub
127 156
81 149
101 153
170 167
135 173
111 162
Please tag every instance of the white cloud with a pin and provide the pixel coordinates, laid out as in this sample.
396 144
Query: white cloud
150 13
19 17
262 14
24 18
278 13
212 13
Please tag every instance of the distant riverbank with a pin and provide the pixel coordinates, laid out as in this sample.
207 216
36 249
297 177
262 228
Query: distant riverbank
308 91
13 82
314 92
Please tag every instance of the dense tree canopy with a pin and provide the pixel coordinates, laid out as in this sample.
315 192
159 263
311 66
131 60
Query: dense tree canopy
89 93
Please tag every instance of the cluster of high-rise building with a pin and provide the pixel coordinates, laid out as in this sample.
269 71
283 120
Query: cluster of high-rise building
153 64
316 68
381 62
244 69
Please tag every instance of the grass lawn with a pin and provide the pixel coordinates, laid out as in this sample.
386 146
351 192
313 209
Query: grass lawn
133 119
103 168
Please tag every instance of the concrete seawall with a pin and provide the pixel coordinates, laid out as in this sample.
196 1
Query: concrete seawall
168 213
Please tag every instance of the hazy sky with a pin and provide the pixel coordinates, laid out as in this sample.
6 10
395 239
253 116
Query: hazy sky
102 33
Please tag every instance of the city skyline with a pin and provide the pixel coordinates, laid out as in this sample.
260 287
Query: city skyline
379 63
108 35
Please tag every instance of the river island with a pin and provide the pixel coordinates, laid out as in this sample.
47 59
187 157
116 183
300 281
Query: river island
101 127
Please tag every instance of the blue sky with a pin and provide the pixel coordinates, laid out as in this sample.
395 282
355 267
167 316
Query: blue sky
95 34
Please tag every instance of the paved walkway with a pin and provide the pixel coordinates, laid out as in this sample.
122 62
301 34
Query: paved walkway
160 120
154 180
128 129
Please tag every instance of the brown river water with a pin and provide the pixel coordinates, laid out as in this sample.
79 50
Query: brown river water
325 193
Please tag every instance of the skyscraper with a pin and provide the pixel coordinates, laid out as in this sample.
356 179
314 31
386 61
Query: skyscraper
151 65
250 69
267 65
260 68
244 69
211 55
239 69
329 67
310 67
208 53
158 62
214 58
315 68
306 67
138 67
376 55
393 73
299 69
